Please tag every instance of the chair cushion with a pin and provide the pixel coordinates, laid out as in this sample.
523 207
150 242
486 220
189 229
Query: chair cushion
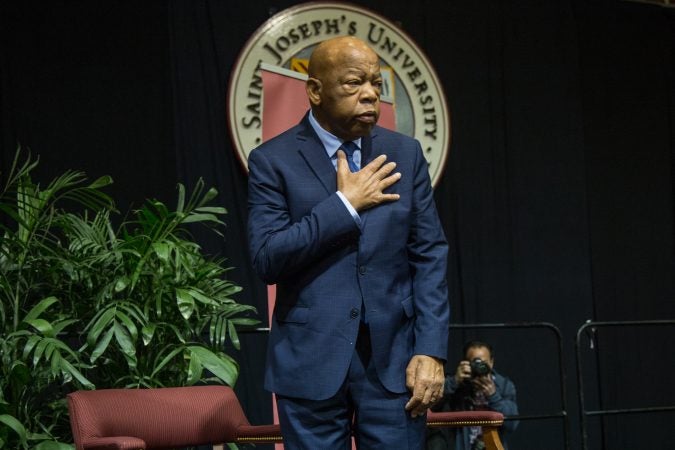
163 417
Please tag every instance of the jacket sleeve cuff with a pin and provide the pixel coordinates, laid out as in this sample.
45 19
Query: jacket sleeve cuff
350 208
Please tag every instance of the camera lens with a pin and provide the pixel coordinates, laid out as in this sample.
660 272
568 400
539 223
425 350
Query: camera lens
479 367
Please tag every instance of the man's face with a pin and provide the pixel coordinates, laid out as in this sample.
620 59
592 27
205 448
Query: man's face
480 352
348 96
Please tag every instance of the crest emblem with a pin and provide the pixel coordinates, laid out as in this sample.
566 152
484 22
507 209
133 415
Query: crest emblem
287 40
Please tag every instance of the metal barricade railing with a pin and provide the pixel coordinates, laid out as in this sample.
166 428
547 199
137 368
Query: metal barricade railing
584 414
562 414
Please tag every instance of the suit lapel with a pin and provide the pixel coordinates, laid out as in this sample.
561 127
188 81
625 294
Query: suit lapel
369 151
312 151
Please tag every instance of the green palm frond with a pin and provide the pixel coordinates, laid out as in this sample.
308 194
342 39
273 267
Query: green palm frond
86 303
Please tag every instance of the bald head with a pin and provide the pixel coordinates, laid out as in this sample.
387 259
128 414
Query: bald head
332 52
344 86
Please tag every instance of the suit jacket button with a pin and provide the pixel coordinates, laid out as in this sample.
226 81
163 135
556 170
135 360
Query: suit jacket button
362 270
354 313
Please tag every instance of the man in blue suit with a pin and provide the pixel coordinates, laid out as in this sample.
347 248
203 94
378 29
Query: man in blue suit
342 219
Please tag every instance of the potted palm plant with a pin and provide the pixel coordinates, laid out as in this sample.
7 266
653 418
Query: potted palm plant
86 304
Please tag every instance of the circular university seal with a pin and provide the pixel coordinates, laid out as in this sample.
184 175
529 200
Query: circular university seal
287 39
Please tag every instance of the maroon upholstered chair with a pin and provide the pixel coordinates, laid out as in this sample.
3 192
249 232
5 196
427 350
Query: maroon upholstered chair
490 421
133 419
162 418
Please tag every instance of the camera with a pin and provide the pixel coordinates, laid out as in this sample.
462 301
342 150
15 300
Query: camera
479 367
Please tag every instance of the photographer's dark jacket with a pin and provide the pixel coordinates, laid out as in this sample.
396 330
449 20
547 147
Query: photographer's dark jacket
458 398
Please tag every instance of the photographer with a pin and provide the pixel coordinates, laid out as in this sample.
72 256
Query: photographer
475 385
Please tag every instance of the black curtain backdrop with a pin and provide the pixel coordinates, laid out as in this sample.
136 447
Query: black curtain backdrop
557 196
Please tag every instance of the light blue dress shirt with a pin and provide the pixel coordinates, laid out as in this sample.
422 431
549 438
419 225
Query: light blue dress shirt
332 144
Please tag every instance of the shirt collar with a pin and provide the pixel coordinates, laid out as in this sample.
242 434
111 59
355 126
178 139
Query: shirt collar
331 143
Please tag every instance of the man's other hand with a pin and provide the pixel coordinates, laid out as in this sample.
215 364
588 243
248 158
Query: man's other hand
463 372
424 379
485 384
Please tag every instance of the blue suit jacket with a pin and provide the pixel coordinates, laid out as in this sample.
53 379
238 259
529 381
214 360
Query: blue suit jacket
304 239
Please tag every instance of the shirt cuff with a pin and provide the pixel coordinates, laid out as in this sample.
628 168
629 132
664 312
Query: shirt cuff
350 208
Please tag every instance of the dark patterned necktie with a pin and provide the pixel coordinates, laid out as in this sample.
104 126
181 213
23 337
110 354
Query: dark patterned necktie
350 147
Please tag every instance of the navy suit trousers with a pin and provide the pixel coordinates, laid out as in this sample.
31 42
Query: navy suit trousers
362 406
